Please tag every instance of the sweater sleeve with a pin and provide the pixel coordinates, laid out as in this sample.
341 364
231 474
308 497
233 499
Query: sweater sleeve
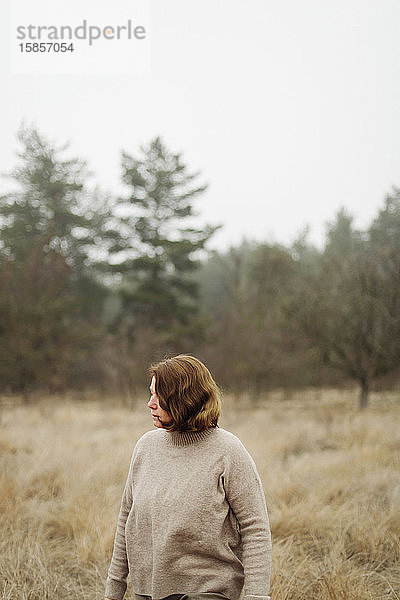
118 571
244 492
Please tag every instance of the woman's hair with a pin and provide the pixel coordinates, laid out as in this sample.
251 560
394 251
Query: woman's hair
187 390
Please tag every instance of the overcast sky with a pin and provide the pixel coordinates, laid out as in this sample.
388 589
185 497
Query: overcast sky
291 109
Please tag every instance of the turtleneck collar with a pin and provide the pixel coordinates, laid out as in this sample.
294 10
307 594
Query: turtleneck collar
186 438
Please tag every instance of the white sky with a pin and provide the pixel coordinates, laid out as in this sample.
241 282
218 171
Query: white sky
290 109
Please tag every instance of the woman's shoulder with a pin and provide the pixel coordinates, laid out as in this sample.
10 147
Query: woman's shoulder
229 440
221 439
145 441
233 448
149 438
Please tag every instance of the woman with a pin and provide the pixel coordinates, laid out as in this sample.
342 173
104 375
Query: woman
193 522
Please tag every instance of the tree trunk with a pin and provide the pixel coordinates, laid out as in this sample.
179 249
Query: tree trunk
364 395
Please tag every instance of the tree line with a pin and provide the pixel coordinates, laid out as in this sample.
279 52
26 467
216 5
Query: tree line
94 287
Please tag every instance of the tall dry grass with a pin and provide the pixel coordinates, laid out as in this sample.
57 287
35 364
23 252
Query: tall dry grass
331 477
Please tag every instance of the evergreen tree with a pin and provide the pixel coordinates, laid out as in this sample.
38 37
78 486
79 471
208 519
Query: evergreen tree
53 202
160 253
37 325
52 234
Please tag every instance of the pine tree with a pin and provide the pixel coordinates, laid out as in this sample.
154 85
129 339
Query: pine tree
52 234
53 202
161 253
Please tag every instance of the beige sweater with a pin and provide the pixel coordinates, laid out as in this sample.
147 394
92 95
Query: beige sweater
193 518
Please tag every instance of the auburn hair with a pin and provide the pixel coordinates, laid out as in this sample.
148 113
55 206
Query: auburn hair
187 390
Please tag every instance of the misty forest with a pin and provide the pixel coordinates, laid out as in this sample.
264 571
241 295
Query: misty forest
94 287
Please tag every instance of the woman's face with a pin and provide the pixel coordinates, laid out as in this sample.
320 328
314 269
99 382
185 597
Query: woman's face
161 417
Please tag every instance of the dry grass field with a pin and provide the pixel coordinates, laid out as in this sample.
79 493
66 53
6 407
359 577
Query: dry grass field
331 477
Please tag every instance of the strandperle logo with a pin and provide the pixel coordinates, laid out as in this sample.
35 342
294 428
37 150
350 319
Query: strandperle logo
90 33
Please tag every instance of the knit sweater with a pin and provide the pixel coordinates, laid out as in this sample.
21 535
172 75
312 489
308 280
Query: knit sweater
193 518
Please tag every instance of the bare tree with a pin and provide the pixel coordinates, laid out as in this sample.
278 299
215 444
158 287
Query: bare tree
350 310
